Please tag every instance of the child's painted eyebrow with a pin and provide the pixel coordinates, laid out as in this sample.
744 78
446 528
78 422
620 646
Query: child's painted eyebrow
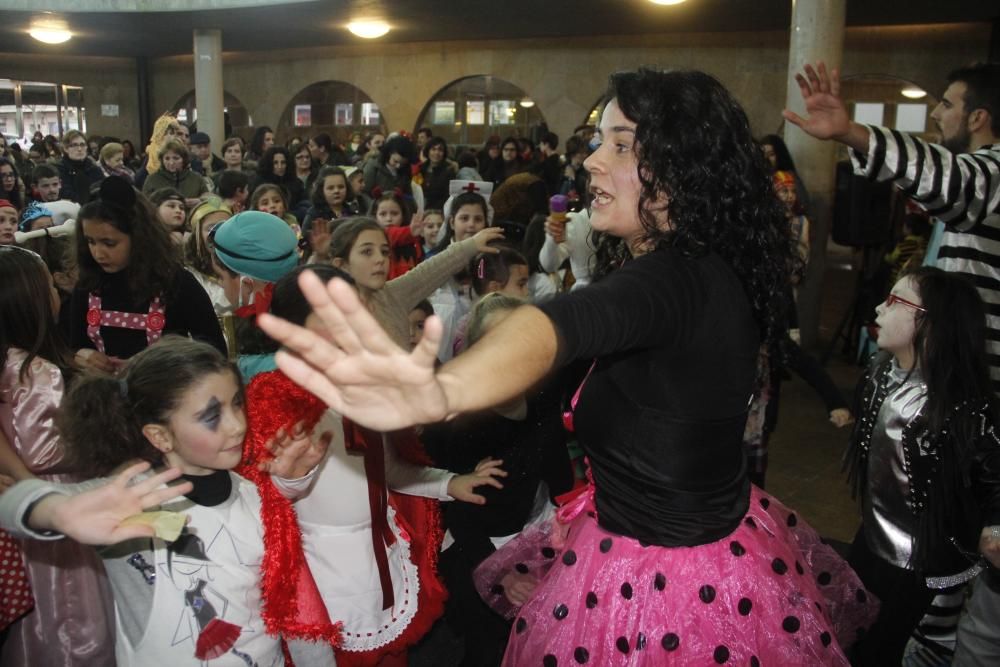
213 405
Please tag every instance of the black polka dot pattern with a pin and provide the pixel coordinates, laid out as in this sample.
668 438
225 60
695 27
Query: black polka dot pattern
591 600
660 581
560 612
792 520
626 591
754 661
720 655
550 661
581 655
707 594
640 642
765 503
824 579
622 645
779 566
798 568
791 624
736 548
745 606
497 589
670 642
605 545
569 558
520 626
521 567
825 639
750 522
548 552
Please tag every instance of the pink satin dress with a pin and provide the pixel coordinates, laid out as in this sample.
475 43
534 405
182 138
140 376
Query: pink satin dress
73 620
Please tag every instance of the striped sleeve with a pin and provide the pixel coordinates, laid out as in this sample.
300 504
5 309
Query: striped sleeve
962 190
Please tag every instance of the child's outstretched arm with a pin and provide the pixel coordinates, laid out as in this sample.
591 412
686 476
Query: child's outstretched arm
97 515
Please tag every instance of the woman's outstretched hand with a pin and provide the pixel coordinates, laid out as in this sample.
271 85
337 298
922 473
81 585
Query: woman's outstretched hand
355 367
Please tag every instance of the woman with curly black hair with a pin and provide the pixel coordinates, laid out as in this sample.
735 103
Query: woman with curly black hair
670 555
276 168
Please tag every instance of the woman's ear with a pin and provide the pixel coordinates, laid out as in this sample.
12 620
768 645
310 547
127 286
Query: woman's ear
159 436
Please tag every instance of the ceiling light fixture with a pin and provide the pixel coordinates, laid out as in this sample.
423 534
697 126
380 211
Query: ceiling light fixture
666 2
50 30
368 28
914 93
527 102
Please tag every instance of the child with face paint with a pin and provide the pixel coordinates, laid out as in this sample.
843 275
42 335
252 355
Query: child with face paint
214 593
924 457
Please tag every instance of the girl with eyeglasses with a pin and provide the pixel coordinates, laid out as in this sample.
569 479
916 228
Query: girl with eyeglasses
924 457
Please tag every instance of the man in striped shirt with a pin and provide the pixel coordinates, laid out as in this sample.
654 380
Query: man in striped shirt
957 182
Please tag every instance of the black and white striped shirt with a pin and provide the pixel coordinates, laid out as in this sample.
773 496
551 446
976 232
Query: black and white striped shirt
961 190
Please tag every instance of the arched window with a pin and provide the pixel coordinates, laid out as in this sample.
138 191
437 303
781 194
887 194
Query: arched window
882 99
467 111
337 108
238 121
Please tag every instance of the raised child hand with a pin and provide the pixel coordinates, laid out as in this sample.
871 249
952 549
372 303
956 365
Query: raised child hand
295 452
462 487
417 225
95 516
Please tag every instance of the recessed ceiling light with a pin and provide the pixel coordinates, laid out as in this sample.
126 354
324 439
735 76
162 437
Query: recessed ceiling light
914 93
50 31
369 29
666 2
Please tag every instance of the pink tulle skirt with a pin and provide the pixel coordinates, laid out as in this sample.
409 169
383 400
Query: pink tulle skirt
771 593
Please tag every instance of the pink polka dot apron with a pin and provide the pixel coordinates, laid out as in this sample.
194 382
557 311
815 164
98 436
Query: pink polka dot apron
152 321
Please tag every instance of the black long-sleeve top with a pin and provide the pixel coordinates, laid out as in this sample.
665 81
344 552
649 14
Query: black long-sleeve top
662 415
188 312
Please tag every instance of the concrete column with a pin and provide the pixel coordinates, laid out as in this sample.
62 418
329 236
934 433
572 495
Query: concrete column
817 33
208 86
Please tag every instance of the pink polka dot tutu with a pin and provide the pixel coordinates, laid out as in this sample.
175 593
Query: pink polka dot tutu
770 593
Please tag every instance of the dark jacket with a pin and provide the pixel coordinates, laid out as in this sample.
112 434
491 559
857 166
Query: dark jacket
77 178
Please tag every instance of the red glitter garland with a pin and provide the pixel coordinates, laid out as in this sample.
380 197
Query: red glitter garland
292 605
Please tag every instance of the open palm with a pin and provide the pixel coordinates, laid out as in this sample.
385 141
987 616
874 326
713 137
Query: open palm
359 371
827 114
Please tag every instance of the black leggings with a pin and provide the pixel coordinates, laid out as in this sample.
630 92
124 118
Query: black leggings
904 596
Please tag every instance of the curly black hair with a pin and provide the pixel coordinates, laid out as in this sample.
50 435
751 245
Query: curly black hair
694 147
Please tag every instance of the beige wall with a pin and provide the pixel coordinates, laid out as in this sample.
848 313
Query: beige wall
104 81
564 76
567 76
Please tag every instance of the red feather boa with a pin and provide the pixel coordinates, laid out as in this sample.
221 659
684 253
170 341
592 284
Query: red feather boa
292 606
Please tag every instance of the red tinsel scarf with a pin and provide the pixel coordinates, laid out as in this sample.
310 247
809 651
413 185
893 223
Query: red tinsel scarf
292 606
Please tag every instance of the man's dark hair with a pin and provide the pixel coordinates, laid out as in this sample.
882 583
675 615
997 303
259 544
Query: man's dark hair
982 90
550 138
427 131
44 171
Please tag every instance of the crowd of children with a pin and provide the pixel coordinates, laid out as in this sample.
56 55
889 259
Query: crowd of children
176 491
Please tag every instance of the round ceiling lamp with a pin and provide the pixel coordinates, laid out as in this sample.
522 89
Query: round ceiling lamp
527 102
50 30
914 93
666 2
368 28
